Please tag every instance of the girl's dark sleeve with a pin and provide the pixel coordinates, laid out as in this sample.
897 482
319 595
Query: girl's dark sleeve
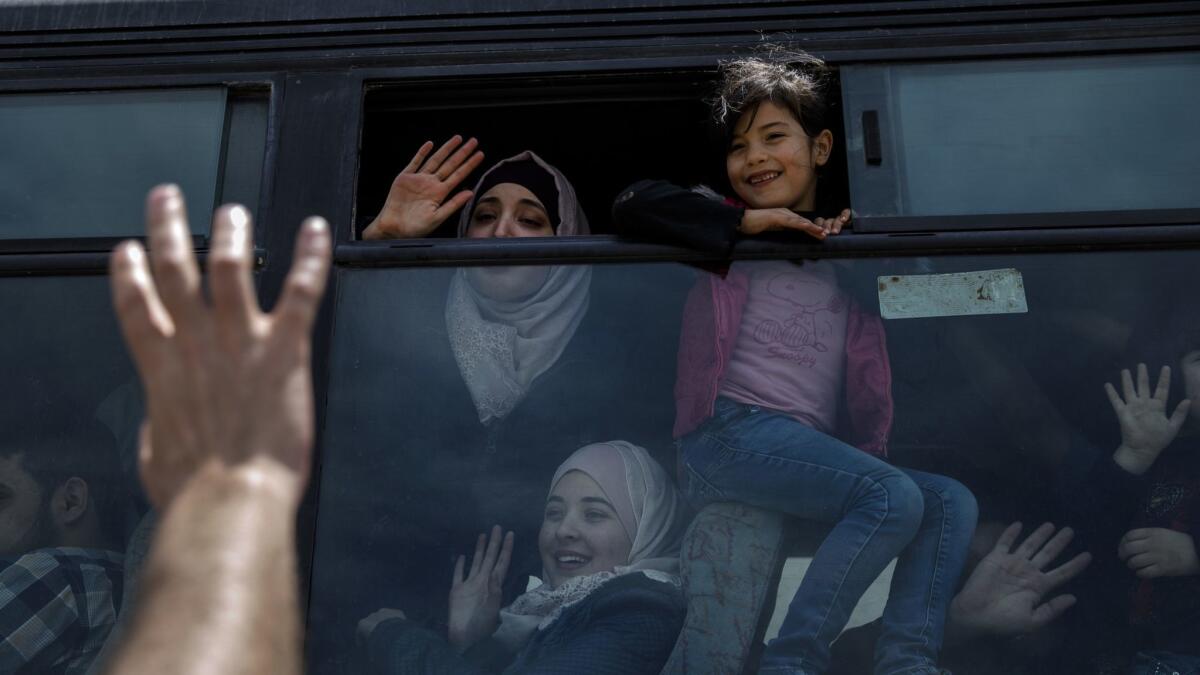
659 211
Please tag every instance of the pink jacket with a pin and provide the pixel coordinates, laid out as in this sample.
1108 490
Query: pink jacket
712 317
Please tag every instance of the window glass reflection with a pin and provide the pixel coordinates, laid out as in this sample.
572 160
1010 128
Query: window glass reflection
68 499
1006 402
105 150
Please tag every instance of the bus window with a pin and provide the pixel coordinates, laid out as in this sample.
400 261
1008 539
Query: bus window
999 138
604 134
69 501
105 149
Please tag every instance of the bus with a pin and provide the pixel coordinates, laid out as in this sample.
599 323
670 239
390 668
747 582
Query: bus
1024 179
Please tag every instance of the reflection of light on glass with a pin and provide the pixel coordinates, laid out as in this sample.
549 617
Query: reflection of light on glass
79 165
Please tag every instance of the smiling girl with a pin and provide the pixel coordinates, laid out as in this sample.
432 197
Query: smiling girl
781 374
609 599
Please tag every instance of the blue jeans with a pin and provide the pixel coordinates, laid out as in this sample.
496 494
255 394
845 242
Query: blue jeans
763 458
1165 663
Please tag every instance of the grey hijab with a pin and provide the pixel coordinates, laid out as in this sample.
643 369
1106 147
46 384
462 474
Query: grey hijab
501 347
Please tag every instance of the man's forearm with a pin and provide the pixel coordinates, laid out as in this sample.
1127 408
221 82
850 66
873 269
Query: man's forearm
219 588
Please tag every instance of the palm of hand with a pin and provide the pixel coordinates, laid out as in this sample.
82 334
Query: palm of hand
474 612
1003 594
1145 426
412 204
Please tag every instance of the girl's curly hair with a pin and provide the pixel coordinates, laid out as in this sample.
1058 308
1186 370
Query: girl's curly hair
793 79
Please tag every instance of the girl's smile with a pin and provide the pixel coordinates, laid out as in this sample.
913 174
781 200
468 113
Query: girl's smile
772 161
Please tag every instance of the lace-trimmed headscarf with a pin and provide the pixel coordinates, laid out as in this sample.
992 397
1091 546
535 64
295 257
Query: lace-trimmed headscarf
648 507
500 346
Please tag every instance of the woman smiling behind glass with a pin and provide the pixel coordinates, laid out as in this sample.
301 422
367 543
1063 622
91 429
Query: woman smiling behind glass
609 601
468 386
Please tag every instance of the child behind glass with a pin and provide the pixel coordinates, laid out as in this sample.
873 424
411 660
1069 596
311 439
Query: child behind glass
772 356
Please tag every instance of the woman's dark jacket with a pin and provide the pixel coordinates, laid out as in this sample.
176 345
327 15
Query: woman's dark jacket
626 627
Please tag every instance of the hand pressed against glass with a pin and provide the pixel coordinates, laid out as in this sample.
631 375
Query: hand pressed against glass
772 166
1146 430
581 533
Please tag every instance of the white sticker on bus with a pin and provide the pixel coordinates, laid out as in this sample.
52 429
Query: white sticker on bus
915 296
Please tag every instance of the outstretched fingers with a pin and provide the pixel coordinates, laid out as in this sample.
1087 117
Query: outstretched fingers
144 321
230 261
1067 571
501 569
1051 610
1007 538
418 158
435 160
458 160
1034 542
1164 384
1055 546
305 282
175 272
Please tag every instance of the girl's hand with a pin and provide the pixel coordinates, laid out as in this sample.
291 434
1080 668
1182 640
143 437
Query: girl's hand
1158 552
475 598
757 221
1145 428
834 225
416 204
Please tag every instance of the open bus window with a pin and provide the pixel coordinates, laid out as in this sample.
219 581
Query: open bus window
70 507
1074 141
602 132
76 164
997 370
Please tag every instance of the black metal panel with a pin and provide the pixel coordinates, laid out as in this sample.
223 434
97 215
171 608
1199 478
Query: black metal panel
517 36
611 249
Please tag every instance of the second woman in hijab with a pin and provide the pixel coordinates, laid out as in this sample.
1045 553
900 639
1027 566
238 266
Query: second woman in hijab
608 601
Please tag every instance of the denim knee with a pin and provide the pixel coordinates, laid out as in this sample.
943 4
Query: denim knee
959 505
904 504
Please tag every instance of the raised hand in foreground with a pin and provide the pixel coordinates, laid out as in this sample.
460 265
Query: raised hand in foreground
225 452
1006 593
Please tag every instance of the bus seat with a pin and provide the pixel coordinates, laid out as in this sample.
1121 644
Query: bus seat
730 562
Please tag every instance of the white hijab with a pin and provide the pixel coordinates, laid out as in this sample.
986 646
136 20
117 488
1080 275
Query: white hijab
501 347
650 510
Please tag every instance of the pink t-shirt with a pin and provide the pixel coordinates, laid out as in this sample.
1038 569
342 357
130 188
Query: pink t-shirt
790 354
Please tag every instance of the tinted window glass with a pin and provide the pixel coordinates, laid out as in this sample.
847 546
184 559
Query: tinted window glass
1024 136
997 366
69 505
76 165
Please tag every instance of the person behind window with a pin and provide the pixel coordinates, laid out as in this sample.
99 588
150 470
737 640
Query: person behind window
499 367
1142 503
60 574
608 601
772 354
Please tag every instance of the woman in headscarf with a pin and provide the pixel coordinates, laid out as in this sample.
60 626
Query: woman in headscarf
608 600
463 388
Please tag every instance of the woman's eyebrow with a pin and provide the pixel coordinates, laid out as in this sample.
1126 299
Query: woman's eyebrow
772 124
534 204
598 500
488 200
